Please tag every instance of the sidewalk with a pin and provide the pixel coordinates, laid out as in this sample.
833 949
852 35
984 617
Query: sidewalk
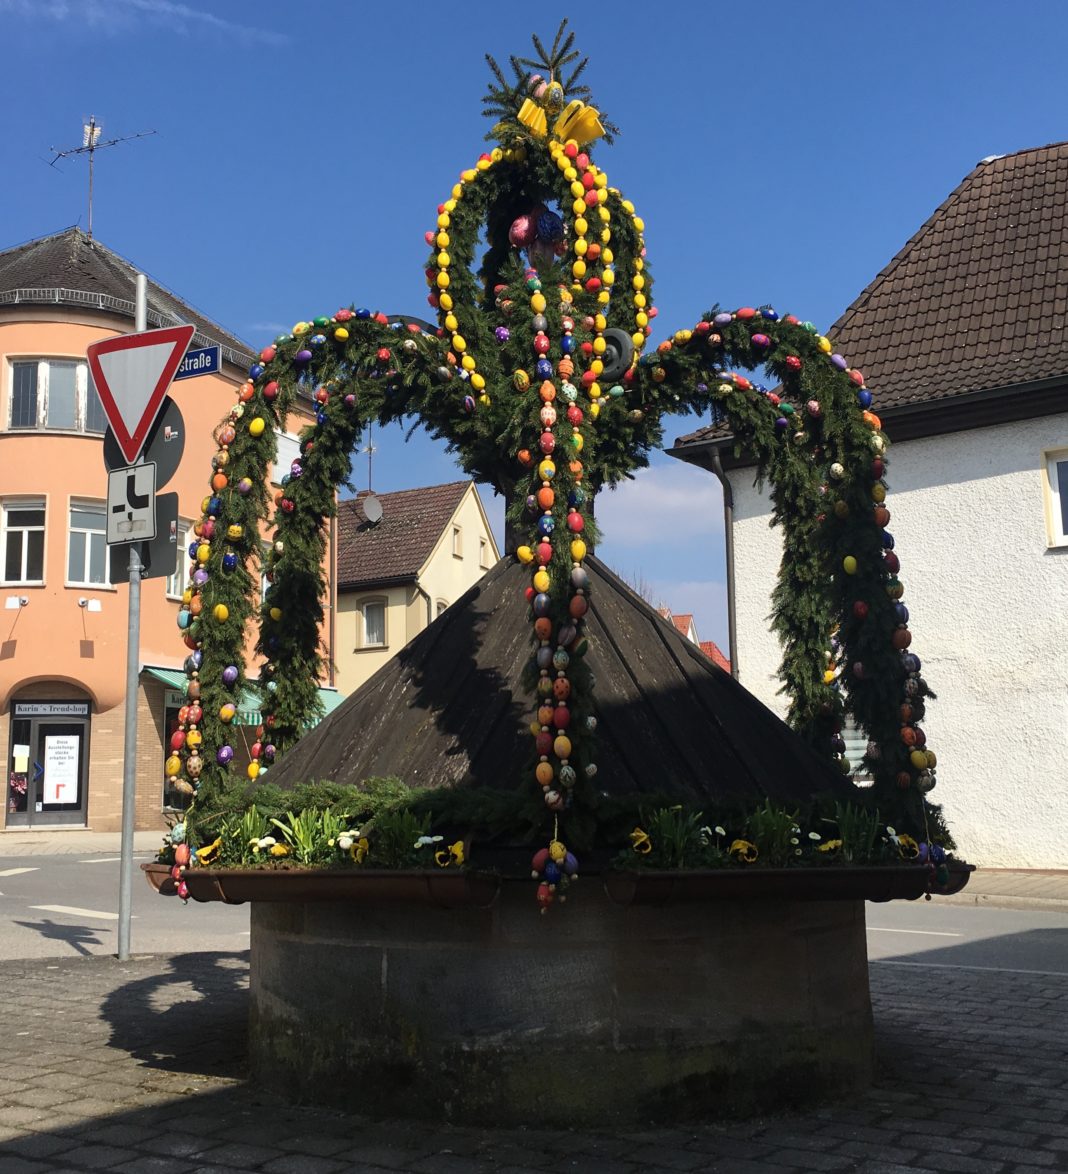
139 1068
1005 887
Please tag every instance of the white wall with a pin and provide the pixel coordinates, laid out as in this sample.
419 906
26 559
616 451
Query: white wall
988 605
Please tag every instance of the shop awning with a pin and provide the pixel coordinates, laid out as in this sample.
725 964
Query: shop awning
248 703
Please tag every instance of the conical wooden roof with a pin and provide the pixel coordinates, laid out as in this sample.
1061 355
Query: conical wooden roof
450 710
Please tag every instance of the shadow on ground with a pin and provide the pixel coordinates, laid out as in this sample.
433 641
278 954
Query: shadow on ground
139 1066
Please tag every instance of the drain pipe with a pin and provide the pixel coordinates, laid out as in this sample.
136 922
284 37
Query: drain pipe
728 537
429 605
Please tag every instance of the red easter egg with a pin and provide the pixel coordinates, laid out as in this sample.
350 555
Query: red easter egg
545 552
561 688
860 609
745 313
177 740
270 390
543 628
561 717
882 516
578 606
181 854
575 522
891 562
543 743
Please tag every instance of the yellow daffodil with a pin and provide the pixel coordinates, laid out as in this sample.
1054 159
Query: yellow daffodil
908 847
744 850
830 846
640 842
279 850
454 854
208 853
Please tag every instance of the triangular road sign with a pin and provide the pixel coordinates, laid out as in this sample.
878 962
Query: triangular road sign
132 373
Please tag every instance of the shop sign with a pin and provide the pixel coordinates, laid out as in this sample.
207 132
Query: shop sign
51 709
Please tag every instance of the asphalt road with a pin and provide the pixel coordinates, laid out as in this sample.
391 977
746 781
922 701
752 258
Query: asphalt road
60 906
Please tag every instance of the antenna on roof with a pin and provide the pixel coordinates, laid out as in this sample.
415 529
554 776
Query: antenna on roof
90 145
370 450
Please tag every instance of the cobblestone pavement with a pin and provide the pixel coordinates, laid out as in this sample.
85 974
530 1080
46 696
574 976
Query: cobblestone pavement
138 1067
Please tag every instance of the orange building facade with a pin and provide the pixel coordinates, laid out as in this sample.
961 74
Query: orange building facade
63 625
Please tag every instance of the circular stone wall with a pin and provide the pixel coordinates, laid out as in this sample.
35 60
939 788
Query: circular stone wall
591 1014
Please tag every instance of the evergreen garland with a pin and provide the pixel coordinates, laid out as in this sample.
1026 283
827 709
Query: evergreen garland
473 382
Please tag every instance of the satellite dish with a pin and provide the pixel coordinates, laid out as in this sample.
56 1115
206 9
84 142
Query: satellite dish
372 509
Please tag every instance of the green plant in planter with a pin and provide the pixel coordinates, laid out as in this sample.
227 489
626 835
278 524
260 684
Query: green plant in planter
303 835
858 830
672 837
776 834
399 839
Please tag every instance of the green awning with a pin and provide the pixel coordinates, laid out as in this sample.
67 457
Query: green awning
248 704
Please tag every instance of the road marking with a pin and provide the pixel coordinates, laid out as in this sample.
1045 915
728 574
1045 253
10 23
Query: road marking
931 933
16 871
73 911
958 966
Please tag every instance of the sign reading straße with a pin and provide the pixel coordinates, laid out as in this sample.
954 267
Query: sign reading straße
204 360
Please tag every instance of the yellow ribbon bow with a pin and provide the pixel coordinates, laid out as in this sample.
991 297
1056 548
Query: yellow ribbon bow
579 122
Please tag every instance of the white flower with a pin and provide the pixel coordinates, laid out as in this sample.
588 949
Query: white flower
720 832
266 842
814 836
344 842
426 841
793 839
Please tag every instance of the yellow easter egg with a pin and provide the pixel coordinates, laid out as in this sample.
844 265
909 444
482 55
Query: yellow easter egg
276 614
459 343
253 769
579 268
578 550
824 344
537 302
849 565
256 426
221 613
477 382
524 554
595 410
203 552
341 334
445 301
878 492
562 746
541 580
172 766
227 712
193 738
918 758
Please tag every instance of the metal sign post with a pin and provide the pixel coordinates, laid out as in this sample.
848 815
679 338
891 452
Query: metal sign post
133 675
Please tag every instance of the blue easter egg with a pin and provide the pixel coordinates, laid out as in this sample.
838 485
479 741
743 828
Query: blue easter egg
550 228
184 619
888 540
215 506
864 397
255 371
567 344
546 525
544 368
229 561
193 549
551 873
901 613
770 314
541 604
363 313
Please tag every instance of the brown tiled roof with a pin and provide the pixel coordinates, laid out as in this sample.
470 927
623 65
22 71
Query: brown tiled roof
682 623
976 300
394 549
69 261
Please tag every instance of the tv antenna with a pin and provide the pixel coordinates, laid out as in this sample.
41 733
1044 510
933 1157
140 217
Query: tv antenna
91 143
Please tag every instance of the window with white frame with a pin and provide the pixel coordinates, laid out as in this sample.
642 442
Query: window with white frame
372 619
22 526
179 581
1057 498
288 450
483 554
88 554
457 542
54 394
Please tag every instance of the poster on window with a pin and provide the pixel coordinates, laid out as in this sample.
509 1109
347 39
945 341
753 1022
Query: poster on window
61 768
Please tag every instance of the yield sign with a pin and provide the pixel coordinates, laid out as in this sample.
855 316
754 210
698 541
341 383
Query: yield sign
132 373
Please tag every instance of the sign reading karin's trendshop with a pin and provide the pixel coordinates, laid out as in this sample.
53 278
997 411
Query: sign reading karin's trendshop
61 755
51 709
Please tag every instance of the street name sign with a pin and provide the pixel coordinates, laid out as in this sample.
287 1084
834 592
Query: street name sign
203 360
131 510
132 373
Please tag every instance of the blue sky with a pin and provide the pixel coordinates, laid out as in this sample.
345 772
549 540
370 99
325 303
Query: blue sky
779 153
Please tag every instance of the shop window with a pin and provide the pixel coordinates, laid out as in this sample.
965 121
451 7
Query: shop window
373 624
457 542
179 581
54 394
48 759
1057 498
88 554
22 538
